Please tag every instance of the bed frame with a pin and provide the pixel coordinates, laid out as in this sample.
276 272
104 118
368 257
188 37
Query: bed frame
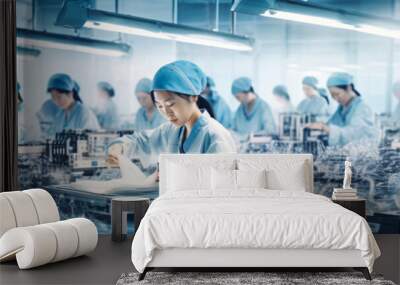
236 259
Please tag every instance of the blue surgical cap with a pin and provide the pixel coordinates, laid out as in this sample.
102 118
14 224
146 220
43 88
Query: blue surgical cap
311 81
281 91
210 82
339 79
180 76
60 81
144 85
241 85
106 87
396 87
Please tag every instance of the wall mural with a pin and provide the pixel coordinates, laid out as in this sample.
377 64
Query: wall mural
67 119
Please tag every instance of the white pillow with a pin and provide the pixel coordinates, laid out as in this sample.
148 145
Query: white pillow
188 177
251 178
282 174
223 179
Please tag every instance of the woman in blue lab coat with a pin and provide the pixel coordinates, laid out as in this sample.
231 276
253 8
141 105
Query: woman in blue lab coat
254 115
282 100
313 104
353 120
221 110
176 89
73 114
147 117
46 115
106 110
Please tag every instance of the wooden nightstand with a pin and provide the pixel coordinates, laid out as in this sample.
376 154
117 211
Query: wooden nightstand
355 205
120 206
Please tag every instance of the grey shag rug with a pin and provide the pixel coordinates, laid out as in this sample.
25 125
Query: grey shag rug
243 278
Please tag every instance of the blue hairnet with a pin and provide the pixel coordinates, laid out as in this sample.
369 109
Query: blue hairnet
106 87
311 81
396 87
241 85
60 81
281 90
182 77
210 82
339 79
144 85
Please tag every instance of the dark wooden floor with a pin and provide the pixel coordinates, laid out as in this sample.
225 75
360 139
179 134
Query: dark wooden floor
111 259
103 266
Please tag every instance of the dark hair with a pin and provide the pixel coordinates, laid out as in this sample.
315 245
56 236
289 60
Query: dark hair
201 103
324 94
76 96
344 87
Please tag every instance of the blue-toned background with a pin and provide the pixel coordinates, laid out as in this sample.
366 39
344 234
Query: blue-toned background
283 53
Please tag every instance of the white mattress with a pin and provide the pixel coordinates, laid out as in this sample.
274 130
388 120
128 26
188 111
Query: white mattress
253 219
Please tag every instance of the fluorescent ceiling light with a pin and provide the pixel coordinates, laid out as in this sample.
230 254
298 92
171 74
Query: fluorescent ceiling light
326 22
322 16
288 16
29 38
76 16
27 51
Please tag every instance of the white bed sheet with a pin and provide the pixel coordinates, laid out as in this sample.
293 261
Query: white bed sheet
252 218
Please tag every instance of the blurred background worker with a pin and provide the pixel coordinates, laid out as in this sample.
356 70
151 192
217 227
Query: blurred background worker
73 114
313 104
177 88
46 116
282 101
221 110
147 117
20 109
254 115
353 120
106 110
395 117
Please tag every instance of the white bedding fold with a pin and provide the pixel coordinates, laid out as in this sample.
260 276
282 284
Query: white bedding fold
250 219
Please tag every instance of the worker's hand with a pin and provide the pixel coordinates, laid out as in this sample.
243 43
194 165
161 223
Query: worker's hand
318 126
113 151
112 161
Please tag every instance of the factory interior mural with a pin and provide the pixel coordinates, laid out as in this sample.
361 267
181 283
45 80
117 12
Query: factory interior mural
275 85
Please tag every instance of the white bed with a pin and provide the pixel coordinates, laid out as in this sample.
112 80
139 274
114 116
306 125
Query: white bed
202 220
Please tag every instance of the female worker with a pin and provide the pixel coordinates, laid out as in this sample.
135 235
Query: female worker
176 89
282 99
254 114
147 117
106 110
73 114
220 107
353 119
313 104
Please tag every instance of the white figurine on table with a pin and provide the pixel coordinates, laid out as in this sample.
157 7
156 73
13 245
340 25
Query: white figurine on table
347 175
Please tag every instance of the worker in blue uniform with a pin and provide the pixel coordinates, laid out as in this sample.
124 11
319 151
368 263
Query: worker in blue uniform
147 117
176 89
73 114
254 115
106 109
220 108
353 120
